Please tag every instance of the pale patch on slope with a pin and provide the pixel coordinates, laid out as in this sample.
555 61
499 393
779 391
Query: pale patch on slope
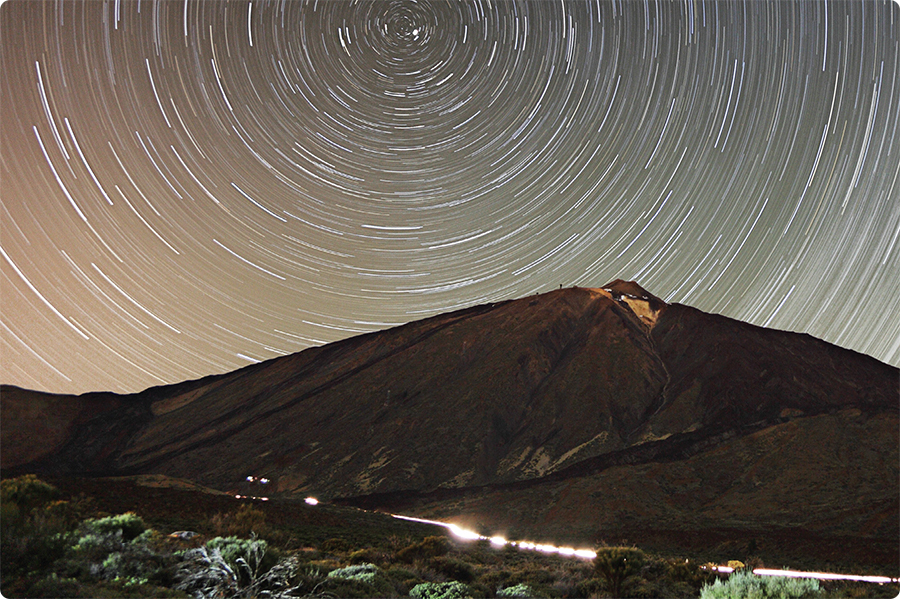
642 304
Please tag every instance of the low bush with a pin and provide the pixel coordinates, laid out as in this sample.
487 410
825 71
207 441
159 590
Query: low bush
34 527
31 543
47 553
233 567
205 573
519 590
26 492
306 578
361 572
403 579
114 548
452 568
369 555
749 585
56 587
128 526
246 521
358 580
97 539
426 548
535 575
440 590
248 558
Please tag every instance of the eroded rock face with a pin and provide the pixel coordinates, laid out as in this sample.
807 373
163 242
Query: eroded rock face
580 409
644 305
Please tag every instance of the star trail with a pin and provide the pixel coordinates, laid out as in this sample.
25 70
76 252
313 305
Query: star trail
189 187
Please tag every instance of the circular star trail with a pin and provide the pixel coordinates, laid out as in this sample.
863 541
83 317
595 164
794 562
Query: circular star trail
188 187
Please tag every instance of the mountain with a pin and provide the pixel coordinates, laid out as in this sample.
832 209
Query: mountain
584 414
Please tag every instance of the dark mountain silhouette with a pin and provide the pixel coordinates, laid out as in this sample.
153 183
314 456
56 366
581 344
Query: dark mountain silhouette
583 413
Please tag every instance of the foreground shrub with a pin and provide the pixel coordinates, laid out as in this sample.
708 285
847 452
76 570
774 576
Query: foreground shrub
359 580
750 586
249 558
128 526
232 567
246 521
360 572
453 568
440 590
618 566
205 573
427 548
433 546
34 526
54 587
114 548
26 492
369 555
520 590
30 543
306 578
98 538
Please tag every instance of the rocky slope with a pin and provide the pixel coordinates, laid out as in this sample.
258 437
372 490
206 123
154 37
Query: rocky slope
579 411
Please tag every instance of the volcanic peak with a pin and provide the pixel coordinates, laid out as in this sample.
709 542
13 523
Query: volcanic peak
644 304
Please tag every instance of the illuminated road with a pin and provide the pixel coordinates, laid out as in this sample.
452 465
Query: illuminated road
470 535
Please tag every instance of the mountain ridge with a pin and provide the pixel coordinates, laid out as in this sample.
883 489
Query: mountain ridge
529 403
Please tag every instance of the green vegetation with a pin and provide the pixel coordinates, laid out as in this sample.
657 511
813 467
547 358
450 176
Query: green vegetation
619 566
429 547
749 585
232 567
92 538
440 590
362 572
26 493
519 590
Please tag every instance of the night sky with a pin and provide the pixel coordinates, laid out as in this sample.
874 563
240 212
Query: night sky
189 187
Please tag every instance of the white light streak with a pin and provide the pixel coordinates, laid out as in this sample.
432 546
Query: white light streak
40 296
498 541
244 260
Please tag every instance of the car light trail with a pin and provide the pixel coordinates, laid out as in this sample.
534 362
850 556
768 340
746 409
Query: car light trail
817 575
498 541
825 575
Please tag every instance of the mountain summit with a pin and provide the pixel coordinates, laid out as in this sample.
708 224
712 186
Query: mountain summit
642 303
584 413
